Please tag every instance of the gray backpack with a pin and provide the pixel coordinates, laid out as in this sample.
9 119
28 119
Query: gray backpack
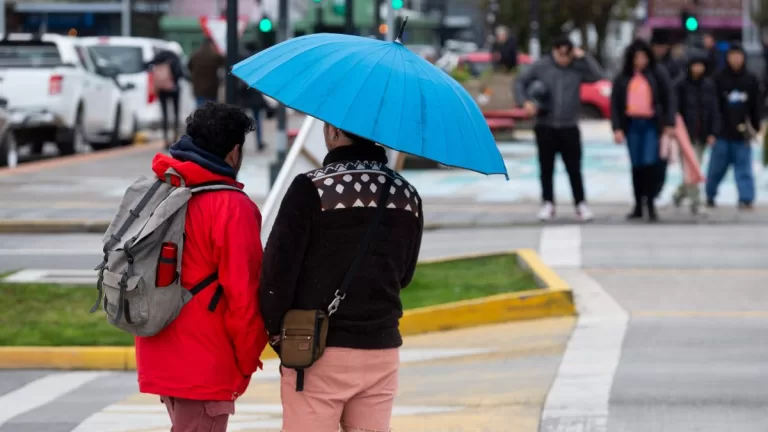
152 213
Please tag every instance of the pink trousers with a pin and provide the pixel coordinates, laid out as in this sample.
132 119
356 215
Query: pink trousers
351 388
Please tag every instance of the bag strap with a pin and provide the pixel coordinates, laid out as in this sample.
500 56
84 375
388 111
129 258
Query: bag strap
205 283
341 293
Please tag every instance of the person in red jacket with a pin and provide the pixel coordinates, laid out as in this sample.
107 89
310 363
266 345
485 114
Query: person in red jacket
203 360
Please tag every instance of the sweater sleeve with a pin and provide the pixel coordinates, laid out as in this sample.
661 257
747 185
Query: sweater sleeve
411 270
285 251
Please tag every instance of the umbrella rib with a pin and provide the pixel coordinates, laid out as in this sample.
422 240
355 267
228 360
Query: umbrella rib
445 78
346 113
383 96
445 130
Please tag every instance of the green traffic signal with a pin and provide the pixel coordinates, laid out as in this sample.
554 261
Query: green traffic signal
265 25
691 24
397 4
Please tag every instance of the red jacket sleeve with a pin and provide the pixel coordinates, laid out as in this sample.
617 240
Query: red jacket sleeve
238 240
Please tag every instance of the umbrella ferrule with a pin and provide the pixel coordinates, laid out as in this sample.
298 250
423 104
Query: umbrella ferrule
399 38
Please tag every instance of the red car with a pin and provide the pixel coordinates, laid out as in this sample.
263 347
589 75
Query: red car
595 97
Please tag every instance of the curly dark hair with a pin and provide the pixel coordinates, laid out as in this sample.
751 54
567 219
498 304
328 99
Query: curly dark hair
629 56
218 128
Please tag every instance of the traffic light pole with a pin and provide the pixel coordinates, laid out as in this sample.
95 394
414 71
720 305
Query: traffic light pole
349 14
534 43
281 143
376 18
390 21
232 51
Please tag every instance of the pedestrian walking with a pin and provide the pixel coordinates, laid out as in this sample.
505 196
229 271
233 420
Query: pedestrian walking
347 234
642 107
205 66
166 71
740 107
662 52
504 50
557 128
203 360
697 103
253 100
714 63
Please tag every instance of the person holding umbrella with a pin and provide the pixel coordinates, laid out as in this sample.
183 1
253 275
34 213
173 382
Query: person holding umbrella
347 237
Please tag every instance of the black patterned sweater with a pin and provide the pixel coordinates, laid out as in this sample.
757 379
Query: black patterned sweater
322 220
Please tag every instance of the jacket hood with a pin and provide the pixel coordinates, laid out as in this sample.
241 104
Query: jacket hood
194 165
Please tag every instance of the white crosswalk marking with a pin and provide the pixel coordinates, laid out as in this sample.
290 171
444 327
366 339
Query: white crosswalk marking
42 391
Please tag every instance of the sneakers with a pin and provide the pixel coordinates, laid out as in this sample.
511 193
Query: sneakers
711 203
584 213
547 211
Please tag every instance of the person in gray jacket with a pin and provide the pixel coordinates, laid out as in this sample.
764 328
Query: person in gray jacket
557 129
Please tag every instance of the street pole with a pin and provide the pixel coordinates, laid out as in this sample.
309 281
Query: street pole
126 17
534 44
390 22
376 18
318 17
232 51
281 143
2 16
349 14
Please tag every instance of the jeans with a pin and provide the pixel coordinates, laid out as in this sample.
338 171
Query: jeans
643 142
566 141
202 100
724 154
257 119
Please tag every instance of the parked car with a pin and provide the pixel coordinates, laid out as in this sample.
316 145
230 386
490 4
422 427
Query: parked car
66 93
595 97
131 55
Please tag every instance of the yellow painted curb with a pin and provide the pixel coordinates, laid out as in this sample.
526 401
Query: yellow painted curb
553 298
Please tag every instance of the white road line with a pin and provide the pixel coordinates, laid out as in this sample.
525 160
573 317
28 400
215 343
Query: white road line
561 246
49 252
42 391
248 416
578 400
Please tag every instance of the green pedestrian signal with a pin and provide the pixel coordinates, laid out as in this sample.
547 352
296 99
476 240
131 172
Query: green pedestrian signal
397 4
265 25
691 24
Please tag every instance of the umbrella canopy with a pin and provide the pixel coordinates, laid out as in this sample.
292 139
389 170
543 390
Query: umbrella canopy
378 90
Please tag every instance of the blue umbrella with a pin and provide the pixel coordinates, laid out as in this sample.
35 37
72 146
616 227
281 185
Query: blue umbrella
378 90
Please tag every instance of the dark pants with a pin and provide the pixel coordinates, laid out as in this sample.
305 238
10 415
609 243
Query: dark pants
566 141
173 98
257 120
198 416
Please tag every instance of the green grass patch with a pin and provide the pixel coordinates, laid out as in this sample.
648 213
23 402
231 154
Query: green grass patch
55 315
465 279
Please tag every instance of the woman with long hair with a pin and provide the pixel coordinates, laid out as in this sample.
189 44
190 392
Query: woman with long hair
642 108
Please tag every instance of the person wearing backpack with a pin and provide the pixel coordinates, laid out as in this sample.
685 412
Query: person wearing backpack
182 260
345 242
642 108
166 71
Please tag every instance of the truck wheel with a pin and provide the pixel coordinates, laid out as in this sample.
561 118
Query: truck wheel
73 138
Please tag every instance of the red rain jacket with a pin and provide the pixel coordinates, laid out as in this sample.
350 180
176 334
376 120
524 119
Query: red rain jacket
205 355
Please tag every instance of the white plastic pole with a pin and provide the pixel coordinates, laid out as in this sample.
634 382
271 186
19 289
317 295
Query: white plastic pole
390 21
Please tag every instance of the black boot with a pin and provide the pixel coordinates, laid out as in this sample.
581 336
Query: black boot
637 184
651 183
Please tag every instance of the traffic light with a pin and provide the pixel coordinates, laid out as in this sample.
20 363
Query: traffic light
340 7
397 4
265 25
689 21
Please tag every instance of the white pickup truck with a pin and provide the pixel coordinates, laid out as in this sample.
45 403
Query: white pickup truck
60 91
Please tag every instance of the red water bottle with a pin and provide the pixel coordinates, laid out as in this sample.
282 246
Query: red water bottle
166 265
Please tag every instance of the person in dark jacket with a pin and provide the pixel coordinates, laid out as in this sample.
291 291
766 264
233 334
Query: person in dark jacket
167 97
662 52
557 129
317 232
642 108
709 43
204 65
505 49
697 103
738 97
252 99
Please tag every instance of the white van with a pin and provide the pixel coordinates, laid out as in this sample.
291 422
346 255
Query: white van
131 55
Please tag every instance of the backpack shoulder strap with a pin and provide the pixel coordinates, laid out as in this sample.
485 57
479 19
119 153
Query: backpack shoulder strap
213 187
